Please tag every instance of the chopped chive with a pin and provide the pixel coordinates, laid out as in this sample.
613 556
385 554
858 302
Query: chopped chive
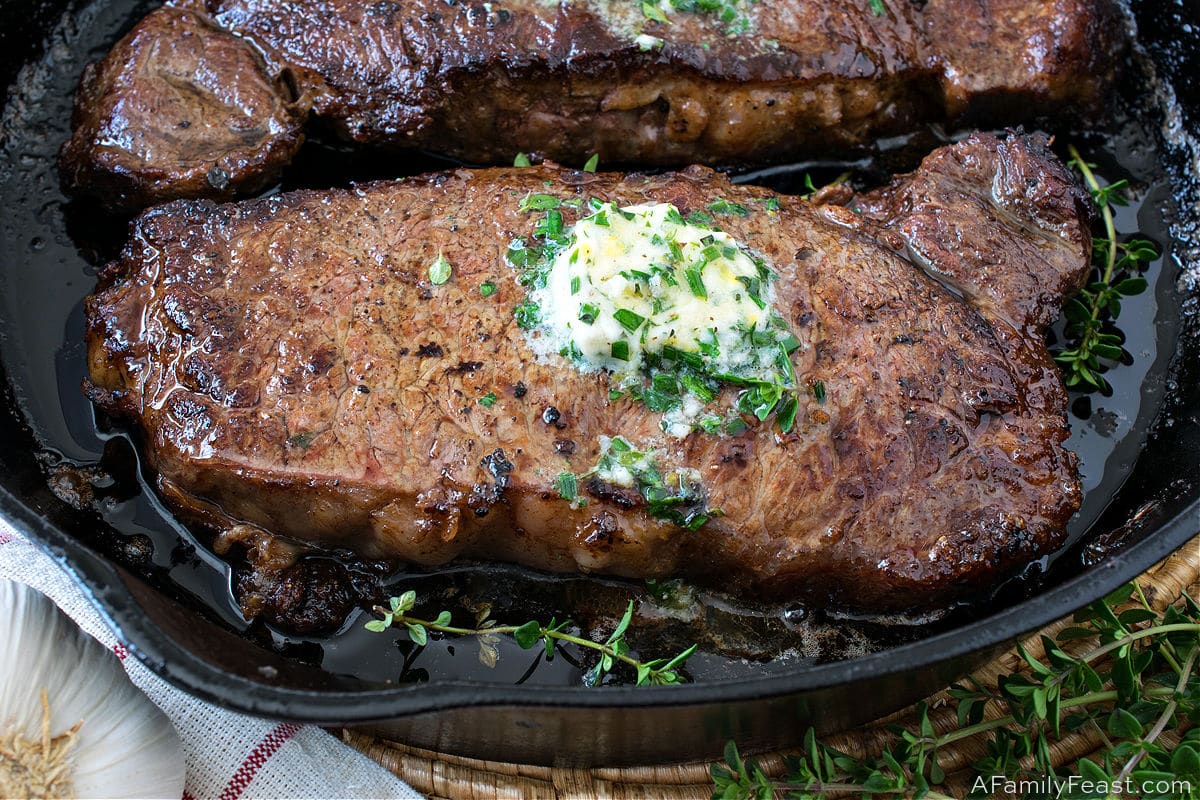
528 315
666 383
787 413
620 350
567 486
522 160
628 319
818 390
690 359
722 206
697 388
488 400
551 225
539 202
487 288
576 282
695 282
588 313
785 364
735 425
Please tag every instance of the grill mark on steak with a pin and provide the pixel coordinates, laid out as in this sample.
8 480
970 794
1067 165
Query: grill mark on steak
192 93
933 467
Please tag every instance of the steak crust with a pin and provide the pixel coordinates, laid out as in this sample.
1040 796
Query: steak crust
291 368
480 82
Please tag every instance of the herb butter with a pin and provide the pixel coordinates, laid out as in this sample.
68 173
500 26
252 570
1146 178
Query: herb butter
673 308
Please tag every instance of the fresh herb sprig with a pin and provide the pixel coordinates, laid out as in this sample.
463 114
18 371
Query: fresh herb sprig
612 650
1094 342
1123 671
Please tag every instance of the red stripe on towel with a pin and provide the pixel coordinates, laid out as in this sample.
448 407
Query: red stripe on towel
258 756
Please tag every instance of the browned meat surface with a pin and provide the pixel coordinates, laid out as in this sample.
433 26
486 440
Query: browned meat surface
205 120
292 369
482 81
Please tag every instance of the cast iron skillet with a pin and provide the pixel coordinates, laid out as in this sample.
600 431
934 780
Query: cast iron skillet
1153 513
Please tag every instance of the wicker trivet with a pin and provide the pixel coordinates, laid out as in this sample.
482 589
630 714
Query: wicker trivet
453 778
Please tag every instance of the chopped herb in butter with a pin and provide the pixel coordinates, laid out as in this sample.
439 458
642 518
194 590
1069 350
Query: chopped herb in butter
676 496
674 308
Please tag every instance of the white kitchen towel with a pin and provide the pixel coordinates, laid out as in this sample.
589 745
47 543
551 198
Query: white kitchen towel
229 756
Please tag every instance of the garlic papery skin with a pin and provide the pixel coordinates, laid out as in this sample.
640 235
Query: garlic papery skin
124 747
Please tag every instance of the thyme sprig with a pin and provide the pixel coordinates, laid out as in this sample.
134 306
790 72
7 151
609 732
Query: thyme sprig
612 650
1123 670
1094 342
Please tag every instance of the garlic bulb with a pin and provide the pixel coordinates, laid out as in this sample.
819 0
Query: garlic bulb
71 723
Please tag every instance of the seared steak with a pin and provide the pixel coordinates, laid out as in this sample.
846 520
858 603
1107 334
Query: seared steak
292 368
205 100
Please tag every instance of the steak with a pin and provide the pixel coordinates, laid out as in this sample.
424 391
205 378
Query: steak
292 369
208 100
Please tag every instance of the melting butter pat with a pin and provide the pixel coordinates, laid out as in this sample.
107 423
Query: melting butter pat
634 282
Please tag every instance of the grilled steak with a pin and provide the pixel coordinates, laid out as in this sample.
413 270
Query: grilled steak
292 368
206 101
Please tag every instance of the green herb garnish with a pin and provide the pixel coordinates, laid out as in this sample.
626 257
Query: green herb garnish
1093 338
301 440
528 315
676 497
612 650
650 10
588 313
567 486
440 270
488 400
539 202
487 288
592 163
1124 675
728 207
629 320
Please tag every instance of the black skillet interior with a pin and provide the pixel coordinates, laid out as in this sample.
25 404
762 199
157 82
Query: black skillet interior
170 598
